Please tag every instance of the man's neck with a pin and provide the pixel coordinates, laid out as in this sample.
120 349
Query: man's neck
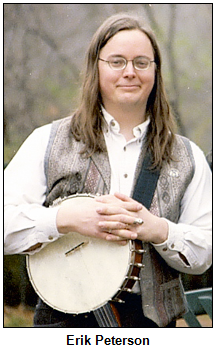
127 119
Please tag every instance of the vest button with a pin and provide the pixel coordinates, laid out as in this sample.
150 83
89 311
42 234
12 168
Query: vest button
78 176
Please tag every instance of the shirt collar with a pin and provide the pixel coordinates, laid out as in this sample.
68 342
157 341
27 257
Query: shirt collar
111 125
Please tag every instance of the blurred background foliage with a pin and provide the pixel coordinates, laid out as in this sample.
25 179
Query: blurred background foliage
44 51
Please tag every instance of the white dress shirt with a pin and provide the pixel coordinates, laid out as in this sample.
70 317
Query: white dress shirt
27 222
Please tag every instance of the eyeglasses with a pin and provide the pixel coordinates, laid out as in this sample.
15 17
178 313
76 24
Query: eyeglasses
140 63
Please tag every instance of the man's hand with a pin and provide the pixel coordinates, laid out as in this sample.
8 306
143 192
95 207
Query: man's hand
106 217
151 229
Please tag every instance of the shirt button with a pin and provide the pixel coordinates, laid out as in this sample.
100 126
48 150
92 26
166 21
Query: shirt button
50 237
125 175
124 148
113 124
165 248
172 246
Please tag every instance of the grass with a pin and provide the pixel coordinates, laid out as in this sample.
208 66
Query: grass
204 320
18 317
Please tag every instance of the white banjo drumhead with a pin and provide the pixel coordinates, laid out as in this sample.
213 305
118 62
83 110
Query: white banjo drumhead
82 280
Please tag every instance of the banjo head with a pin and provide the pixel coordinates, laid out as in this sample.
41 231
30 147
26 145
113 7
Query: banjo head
77 274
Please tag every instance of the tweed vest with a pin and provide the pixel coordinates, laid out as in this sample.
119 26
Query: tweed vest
69 172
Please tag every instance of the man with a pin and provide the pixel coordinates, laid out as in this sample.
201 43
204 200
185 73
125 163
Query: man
123 116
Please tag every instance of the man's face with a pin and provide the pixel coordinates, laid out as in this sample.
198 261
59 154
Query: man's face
128 87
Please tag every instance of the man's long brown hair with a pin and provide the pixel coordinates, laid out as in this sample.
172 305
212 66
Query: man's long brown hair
86 123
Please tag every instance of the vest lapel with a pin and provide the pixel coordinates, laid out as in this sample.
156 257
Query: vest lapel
102 165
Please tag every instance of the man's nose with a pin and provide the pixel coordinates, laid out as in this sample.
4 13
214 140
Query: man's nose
129 70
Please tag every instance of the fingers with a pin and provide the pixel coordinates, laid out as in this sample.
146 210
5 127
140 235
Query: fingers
117 230
119 221
109 226
109 210
120 200
109 218
129 200
121 242
123 197
120 235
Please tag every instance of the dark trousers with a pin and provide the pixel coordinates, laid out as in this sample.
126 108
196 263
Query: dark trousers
130 312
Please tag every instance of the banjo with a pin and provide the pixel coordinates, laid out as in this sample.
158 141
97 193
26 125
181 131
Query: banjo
78 274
